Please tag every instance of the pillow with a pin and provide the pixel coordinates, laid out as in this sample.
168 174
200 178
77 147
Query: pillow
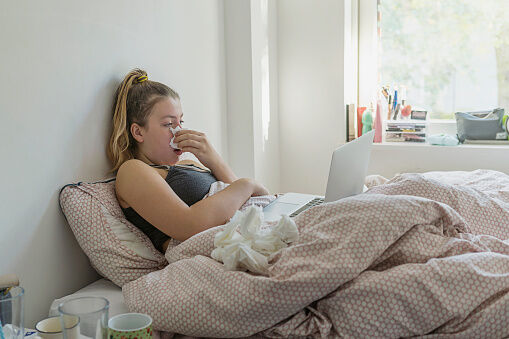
116 248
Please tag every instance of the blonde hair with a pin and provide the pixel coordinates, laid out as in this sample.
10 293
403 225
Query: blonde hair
134 99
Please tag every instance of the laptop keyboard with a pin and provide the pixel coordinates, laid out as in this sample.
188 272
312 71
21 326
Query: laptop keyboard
314 202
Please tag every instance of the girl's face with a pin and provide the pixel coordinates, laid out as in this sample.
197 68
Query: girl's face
156 135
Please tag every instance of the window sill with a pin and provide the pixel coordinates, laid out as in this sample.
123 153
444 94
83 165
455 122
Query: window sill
414 146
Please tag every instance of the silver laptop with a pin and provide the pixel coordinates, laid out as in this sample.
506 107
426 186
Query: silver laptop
348 169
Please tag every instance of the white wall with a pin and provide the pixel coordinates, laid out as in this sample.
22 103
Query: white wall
60 64
238 59
253 122
311 38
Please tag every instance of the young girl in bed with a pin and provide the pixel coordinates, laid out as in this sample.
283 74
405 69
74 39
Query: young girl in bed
158 193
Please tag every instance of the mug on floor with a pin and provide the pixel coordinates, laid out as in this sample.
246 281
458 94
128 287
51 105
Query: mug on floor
130 326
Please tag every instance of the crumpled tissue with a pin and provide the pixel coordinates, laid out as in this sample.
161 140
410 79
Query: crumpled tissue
245 245
173 131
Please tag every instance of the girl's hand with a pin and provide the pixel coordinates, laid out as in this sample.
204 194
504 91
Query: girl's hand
197 143
258 189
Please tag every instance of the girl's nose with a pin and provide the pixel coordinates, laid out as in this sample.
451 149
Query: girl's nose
175 128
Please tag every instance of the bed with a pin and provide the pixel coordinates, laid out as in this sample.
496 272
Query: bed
419 254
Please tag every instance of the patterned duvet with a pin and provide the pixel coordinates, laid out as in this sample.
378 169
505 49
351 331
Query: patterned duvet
421 255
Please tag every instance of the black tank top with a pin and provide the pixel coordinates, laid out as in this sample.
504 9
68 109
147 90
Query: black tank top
190 184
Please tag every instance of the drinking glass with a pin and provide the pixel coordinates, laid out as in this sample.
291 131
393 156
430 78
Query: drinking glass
91 314
11 313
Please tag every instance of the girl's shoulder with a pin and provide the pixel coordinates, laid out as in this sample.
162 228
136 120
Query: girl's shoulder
131 171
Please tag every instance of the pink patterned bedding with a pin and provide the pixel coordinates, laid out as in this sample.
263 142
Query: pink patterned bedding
423 254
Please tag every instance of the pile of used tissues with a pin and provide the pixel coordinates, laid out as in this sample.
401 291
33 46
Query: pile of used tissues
245 245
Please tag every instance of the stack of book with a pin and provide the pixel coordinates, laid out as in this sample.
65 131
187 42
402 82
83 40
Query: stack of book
405 130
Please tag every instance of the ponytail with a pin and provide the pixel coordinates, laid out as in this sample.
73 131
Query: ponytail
134 99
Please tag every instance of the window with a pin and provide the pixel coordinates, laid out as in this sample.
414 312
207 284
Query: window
448 56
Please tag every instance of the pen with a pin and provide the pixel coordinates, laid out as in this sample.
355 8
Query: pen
395 99
389 108
385 92
396 112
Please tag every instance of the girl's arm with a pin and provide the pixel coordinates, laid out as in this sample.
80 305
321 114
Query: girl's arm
198 144
152 198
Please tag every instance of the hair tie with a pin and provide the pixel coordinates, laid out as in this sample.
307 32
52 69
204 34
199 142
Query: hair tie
141 79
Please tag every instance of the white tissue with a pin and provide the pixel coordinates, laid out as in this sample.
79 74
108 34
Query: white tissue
243 244
174 130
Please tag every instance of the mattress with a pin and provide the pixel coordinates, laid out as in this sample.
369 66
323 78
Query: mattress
101 288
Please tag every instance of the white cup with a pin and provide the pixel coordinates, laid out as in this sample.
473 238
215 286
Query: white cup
51 328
